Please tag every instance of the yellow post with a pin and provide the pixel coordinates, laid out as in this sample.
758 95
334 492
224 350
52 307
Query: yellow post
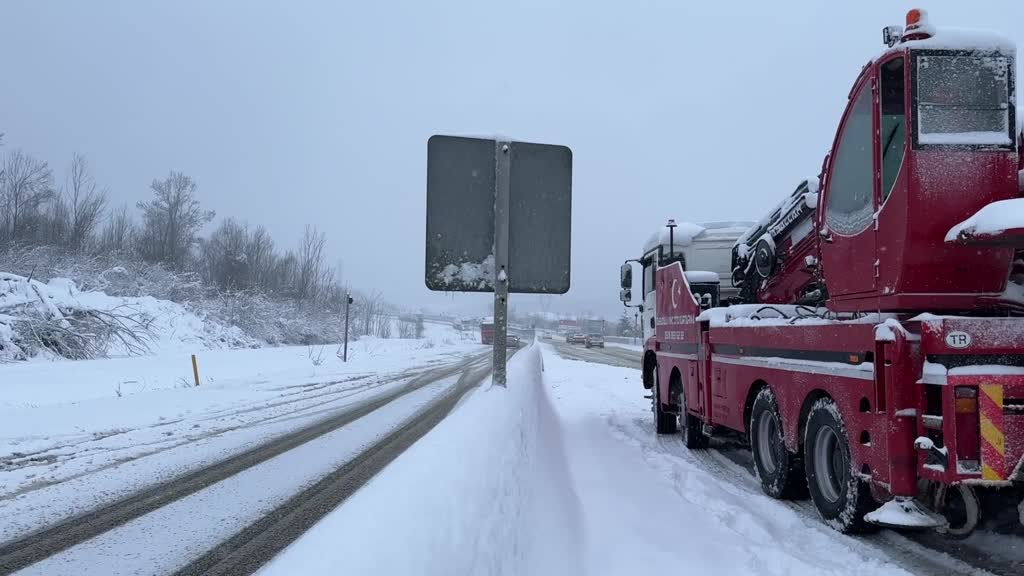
195 369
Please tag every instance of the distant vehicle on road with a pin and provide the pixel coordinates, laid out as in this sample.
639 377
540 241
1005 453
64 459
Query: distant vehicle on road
513 341
594 341
575 338
545 335
487 331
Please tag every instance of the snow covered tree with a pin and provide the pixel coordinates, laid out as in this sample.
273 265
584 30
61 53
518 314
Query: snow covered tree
625 323
27 183
119 231
171 220
84 203
224 262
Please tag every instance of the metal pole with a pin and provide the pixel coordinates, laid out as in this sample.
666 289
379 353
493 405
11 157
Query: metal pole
348 300
195 369
503 167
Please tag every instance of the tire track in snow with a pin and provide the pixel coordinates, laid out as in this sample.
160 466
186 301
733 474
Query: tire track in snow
255 545
87 449
24 551
611 356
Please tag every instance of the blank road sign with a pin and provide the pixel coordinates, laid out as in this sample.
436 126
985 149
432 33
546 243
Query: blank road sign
540 209
461 180
460 214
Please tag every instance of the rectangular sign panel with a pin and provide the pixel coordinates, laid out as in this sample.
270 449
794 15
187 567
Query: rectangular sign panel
461 191
460 214
540 218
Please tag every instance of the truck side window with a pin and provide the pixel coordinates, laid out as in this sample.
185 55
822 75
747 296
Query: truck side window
850 204
648 276
893 123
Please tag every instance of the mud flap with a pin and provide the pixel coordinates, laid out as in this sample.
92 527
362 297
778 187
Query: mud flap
906 513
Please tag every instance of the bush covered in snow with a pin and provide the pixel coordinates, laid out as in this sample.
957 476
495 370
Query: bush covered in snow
56 319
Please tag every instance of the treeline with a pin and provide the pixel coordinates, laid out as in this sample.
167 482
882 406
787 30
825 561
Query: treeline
70 214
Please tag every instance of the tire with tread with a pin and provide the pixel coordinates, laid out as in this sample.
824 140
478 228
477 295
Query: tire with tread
690 425
840 497
664 423
780 471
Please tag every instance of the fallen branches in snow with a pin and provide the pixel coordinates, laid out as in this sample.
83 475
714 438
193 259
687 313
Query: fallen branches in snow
37 318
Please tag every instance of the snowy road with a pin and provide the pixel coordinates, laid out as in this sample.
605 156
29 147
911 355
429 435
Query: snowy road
603 403
610 355
311 447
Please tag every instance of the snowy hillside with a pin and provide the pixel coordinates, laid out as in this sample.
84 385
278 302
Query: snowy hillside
56 319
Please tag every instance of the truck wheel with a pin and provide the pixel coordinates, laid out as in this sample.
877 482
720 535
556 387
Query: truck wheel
960 505
663 423
781 472
690 425
840 497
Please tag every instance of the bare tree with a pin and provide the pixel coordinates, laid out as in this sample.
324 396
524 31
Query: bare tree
369 306
57 226
27 183
224 258
284 271
406 328
171 220
259 254
85 204
312 275
119 230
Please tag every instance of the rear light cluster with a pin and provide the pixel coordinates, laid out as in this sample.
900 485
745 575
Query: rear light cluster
968 441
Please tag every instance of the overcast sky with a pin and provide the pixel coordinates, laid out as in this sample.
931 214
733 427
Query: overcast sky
288 113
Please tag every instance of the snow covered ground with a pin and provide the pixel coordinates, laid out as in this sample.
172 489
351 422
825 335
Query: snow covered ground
205 518
561 474
74 435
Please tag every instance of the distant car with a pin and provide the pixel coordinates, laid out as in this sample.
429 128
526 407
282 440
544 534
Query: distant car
513 341
576 338
546 336
594 341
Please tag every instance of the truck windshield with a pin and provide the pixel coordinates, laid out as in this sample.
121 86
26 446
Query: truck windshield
963 99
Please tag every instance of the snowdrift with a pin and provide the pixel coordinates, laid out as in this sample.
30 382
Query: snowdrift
486 492
56 319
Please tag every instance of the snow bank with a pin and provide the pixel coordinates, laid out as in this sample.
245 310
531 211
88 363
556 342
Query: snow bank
992 220
486 492
88 324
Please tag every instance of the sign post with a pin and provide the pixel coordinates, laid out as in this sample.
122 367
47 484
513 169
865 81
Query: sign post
348 301
503 169
499 216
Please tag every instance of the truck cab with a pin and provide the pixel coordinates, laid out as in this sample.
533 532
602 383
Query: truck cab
928 138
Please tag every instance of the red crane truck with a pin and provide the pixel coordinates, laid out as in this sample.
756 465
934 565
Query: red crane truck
874 355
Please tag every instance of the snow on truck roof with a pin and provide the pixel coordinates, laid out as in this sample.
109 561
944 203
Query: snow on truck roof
686 233
701 276
743 315
953 38
963 39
